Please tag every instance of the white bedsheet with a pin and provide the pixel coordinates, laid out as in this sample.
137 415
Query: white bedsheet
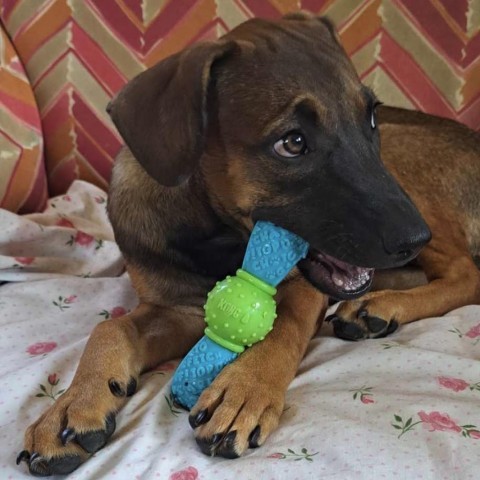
405 407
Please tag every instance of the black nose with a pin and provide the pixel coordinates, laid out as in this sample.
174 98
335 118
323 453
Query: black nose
405 245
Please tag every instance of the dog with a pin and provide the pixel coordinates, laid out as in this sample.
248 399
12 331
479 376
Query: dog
270 122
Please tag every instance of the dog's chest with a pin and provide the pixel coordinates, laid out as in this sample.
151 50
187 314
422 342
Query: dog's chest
215 254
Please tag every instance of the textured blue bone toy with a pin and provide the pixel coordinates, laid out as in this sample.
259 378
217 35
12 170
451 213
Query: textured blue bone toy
240 310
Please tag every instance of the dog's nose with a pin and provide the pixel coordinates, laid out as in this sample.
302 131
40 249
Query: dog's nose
406 244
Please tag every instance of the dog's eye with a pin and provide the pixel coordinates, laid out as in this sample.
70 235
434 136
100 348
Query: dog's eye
373 115
291 145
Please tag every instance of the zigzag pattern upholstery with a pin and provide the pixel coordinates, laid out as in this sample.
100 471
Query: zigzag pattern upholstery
78 53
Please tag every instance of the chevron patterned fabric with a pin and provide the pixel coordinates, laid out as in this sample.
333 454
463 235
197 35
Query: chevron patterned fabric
78 53
23 186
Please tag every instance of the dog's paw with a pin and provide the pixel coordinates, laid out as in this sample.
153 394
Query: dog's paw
375 315
235 413
79 424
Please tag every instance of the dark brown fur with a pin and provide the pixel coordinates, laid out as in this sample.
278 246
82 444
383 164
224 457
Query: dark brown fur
178 241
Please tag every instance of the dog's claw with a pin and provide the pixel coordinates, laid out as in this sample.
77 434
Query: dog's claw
43 467
67 435
208 446
23 456
34 456
347 330
93 441
198 419
358 324
375 324
392 326
253 438
226 449
330 318
131 387
116 388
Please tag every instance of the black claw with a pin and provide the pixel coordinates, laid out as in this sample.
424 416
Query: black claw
94 441
375 324
393 325
41 467
33 456
115 388
253 438
198 419
131 387
67 435
23 456
209 445
347 331
227 446
110 424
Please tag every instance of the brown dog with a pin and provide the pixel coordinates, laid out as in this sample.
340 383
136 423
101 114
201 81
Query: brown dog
268 123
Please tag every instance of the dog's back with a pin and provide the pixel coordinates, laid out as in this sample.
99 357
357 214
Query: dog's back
437 161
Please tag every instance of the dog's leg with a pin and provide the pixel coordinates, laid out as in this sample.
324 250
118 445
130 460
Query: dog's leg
453 281
81 421
244 403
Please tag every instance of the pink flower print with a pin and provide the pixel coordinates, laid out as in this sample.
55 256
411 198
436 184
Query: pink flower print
41 348
474 332
455 384
189 473
67 198
116 312
276 455
49 390
474 434
65 222
436 421
83 239
366 400
64 302
364 394
25 260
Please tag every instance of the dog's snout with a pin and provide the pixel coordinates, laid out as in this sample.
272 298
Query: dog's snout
405 245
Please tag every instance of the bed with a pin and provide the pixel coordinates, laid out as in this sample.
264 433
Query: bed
402 407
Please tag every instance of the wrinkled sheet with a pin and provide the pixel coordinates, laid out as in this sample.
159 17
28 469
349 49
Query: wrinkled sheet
404 407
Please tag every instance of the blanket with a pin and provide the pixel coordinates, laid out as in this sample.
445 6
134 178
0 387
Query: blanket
403 407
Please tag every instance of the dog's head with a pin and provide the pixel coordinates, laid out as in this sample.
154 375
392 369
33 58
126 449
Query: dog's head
275 120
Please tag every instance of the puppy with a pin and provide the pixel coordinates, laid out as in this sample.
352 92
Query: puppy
269 123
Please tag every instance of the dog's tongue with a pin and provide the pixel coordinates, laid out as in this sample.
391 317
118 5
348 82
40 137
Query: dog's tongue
345 276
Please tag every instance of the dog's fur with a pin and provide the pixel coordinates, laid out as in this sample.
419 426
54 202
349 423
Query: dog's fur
199 170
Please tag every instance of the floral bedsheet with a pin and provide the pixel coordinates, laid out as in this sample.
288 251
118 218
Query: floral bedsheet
405 407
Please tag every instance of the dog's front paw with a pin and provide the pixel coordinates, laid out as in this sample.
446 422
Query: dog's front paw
237 412
375 315
79 423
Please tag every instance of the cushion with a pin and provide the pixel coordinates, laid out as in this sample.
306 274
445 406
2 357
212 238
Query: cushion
78 54
23 186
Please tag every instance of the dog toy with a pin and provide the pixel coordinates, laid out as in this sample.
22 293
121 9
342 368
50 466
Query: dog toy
240 310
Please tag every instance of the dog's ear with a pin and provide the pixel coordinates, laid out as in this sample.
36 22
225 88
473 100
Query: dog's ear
307 16
162 113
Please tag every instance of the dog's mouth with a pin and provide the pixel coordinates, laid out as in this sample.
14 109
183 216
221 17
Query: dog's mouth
335 277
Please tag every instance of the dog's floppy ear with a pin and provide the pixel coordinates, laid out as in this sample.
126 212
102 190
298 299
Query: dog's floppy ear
161 114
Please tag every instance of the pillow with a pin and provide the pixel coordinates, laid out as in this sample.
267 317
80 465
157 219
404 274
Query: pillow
78 54
23 186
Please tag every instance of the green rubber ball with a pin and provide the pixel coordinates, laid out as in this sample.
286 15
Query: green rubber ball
240 311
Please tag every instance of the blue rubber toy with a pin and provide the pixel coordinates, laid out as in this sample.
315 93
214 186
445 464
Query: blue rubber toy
240 310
